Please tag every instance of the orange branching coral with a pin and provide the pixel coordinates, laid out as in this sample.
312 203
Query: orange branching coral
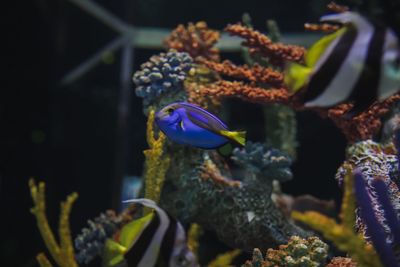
211 171
323 27
256 73
332 6
247 92
196 39
365 125
342 262
258 43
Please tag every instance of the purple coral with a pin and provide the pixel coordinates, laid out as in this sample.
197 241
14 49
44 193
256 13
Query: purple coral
374 227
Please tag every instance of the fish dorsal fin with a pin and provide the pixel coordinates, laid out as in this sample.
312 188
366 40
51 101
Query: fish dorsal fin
203 118
319 48
296 75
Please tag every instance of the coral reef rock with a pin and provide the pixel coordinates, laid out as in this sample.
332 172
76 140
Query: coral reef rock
242 216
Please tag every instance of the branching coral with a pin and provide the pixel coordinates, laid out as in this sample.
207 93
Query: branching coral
258 43
343 235
196 39
250 84
298 252
63 252
157 162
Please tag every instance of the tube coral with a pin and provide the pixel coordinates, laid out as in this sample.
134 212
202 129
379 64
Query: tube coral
62 253
374 227
343 235
157 162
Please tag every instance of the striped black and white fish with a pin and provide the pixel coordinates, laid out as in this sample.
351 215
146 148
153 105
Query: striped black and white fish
359 62
155 238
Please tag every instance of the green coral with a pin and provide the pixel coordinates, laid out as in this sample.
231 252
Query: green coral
298 252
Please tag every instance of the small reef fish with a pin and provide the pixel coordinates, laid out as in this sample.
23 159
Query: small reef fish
188 124
359 62
147 241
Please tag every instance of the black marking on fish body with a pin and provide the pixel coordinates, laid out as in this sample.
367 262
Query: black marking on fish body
137 251
167 245
321 79
211 124
366 89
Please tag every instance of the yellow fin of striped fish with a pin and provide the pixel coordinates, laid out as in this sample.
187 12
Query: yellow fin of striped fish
296 75
113 253
131 230
238 137
319 48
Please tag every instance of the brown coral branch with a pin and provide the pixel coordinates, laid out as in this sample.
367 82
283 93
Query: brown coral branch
211 172
323 27
332 6
196 39
256 73
365 125
258 43
246 92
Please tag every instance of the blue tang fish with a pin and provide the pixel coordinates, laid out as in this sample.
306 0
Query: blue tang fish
188 124
359 63
150 240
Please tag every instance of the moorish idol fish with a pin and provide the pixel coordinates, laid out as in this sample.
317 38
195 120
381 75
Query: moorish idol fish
188 124
359 62
155 238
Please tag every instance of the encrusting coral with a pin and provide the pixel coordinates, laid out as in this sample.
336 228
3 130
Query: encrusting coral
298 252
343 235
63 252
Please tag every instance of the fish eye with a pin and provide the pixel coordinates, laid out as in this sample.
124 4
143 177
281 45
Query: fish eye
170 111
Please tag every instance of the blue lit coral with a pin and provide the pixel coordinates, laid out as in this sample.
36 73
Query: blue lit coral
163 73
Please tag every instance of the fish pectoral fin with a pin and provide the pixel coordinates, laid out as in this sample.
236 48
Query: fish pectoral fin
238 137
113 253
296 76
181 125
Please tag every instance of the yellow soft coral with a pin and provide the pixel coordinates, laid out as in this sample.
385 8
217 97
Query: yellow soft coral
63 253
343 235
157 162
194 234
225 259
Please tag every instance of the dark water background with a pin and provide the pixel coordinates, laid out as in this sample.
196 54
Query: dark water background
66 136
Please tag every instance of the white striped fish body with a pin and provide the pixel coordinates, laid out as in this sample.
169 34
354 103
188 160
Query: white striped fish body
150 239
360 64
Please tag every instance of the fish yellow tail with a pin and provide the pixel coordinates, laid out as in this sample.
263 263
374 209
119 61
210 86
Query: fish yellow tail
238 137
